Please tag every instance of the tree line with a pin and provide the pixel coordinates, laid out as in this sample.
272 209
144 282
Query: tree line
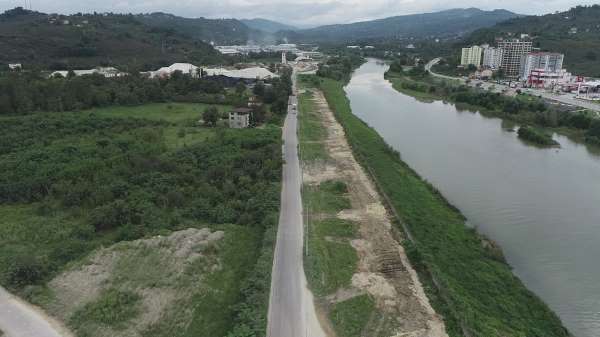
22 93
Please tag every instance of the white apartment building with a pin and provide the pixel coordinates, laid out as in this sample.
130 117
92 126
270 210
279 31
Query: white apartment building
512 51
547 62
472 56
492 58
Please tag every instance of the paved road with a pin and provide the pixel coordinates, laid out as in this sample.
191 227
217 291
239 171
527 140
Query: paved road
562 98
19 319
291 309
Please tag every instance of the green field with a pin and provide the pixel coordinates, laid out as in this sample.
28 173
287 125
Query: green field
73 182
476 290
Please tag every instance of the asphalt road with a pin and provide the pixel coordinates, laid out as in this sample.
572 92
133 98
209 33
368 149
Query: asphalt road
19 319
291 308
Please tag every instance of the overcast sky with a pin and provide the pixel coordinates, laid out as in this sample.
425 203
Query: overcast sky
299 12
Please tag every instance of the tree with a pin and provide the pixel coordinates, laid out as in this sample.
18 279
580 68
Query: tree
211 116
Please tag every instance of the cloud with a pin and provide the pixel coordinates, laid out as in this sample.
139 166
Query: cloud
299 12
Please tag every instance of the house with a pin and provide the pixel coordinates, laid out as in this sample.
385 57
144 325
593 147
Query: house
239 118
15 66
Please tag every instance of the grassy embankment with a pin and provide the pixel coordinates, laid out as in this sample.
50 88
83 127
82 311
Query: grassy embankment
476 290
581 126
73 182
331 260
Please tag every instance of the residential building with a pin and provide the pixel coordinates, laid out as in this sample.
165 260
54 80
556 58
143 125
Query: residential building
547 62
512 51
15 66
492 58
471 56
239 118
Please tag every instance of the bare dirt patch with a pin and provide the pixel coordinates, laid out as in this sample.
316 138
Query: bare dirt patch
163 271
383 268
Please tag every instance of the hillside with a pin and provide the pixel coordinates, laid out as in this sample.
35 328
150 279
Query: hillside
454 22
556 32
219 31
267 26
82 41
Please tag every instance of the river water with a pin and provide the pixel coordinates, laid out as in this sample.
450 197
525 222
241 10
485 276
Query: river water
541 205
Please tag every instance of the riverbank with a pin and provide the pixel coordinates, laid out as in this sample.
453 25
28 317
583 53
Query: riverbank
355 265
581 126
474 288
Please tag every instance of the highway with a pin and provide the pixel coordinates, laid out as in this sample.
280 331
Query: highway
19 319
291 309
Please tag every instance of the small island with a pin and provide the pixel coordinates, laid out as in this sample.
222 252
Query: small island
537 137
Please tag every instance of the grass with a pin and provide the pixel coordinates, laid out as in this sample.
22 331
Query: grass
325 198
114 308
176 113
478 289
351 316
212 307
310 129
331 260
402 83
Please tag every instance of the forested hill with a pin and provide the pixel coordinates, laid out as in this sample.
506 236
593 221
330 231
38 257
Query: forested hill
268 26
454 22
83 41
219 31
576 33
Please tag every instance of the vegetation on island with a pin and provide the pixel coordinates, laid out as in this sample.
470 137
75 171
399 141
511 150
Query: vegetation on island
536 136
454 264
75 181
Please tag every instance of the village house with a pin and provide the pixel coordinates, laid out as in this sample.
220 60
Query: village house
239 118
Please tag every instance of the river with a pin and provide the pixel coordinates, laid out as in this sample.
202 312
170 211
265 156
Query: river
541 205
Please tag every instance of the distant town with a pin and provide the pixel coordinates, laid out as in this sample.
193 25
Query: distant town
517 61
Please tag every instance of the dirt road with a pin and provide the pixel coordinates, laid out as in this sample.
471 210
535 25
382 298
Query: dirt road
291 309
20 319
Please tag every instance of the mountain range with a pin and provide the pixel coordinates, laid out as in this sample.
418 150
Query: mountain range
453 22
267 26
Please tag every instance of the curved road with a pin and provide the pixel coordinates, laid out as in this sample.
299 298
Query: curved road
20 319
291 309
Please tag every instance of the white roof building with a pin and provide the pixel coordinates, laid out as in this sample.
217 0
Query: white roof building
104 71
247 73
188 68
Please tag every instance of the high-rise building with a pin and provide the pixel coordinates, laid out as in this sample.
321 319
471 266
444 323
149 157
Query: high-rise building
541 61
492 58
512 52
472 56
